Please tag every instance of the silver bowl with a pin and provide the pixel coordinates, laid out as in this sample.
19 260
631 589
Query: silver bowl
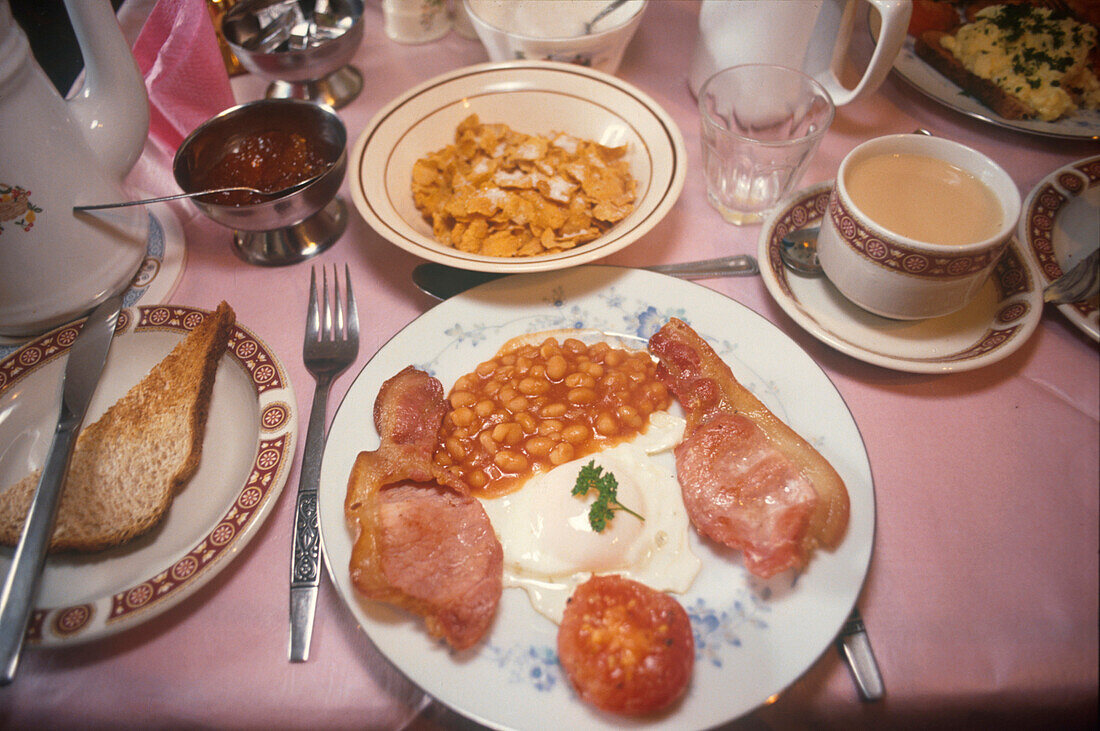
318 70
283 230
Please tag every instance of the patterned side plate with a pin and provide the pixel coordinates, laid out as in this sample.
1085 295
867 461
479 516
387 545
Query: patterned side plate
1060 225
249 446
995 324
752 637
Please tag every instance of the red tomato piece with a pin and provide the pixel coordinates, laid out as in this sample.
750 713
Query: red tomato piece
625 647
932 15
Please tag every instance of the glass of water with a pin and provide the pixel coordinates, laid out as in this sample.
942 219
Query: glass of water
761 125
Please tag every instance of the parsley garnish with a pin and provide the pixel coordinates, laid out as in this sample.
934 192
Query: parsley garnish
607 502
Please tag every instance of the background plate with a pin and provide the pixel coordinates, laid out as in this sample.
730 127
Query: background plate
1060 225
1082 124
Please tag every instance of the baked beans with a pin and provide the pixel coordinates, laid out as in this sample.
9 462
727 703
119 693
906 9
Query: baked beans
537 406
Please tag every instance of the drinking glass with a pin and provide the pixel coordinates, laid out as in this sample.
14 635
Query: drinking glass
761 125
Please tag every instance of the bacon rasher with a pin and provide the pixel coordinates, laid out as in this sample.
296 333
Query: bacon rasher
421 541
749 481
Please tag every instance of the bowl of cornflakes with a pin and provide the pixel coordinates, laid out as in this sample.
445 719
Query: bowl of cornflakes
518 166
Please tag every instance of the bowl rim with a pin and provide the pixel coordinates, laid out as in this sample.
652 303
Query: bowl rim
599 35
669 187
338 162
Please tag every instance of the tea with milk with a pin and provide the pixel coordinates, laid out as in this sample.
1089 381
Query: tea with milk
924 198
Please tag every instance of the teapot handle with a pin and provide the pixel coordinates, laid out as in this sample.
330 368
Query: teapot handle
111 107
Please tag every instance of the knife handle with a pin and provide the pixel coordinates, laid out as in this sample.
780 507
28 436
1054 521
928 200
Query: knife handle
21 583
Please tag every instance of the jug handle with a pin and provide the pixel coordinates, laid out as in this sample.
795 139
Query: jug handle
111 107
894 15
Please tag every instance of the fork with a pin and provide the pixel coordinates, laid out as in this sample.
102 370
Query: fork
1078 284
331 345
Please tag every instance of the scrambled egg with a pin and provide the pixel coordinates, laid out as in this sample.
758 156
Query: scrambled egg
1039 59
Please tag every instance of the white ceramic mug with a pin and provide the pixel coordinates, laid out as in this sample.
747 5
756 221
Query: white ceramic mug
811 35
901 277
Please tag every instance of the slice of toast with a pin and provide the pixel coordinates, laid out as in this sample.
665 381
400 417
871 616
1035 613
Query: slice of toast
930 49
128 465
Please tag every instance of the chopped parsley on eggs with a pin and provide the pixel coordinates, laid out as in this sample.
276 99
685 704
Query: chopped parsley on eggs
1037 56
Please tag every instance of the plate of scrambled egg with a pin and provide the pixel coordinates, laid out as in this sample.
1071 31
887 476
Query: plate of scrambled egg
1042 59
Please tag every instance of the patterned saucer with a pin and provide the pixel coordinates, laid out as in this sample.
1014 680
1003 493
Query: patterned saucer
994 325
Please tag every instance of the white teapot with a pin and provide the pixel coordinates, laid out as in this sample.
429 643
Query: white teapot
56 265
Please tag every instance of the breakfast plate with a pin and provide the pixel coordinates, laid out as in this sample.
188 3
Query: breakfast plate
250 435
1060 225
534 97
994 325
1082 124
753 637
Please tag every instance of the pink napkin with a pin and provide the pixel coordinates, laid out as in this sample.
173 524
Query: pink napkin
178 54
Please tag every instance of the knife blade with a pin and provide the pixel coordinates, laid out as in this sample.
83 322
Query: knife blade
82 371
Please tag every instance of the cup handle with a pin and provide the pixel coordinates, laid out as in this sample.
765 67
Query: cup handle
894 15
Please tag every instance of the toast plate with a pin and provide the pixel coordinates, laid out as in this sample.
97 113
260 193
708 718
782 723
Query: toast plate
1060 225
752 637
1000 318
250 435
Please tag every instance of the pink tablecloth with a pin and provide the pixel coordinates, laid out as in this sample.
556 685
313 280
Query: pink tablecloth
981 599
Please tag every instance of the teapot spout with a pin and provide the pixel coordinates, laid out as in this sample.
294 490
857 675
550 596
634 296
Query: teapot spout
111 108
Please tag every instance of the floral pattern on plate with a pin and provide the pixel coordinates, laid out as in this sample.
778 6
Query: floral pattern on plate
753 637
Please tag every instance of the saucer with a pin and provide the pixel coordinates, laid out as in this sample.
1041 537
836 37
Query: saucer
1060 225
158 275
993 326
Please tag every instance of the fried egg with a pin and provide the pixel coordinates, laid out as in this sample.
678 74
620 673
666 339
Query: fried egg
550 547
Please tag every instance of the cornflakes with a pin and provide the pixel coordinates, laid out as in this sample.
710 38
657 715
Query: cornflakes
499 192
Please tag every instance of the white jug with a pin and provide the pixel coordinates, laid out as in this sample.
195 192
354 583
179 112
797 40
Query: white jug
56 265
811 35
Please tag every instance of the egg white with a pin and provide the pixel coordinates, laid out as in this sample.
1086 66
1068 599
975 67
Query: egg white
550 547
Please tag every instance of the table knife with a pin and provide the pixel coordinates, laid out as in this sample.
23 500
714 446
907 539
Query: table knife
82 371
854 646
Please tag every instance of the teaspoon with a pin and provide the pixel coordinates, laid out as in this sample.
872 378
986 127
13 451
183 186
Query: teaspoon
441 281
603 14
145 201
798 250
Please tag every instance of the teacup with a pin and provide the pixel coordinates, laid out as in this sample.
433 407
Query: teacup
915 225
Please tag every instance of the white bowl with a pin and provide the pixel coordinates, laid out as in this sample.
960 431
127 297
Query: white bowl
554 30
535 97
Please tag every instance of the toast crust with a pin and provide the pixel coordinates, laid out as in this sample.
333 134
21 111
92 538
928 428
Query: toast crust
128 465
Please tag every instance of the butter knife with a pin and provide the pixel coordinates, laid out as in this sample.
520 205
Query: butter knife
82 370
854 645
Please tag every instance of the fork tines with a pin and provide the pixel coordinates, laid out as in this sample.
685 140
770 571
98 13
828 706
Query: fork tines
340 317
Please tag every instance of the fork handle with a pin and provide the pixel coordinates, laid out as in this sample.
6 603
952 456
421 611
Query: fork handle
305 566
